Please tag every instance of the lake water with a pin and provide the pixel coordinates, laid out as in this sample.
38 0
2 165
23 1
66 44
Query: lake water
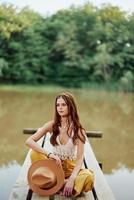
110 112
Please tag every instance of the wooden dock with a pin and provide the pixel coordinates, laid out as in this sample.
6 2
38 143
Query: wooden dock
101 190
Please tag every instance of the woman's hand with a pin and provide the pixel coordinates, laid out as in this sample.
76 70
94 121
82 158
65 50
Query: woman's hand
58 161
68 188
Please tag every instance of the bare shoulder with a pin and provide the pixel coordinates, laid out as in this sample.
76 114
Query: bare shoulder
82 132
82 136
48 126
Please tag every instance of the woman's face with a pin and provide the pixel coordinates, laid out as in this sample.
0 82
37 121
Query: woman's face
62 107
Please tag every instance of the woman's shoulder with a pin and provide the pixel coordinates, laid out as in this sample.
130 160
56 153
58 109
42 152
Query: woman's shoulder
49 125
81 131
81 136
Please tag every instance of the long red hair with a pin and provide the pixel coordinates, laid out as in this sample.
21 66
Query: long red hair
72 115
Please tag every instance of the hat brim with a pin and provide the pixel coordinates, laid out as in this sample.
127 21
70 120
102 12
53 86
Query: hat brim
55 168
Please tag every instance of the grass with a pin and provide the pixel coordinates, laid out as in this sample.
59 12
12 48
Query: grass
112 86
102 86
28 87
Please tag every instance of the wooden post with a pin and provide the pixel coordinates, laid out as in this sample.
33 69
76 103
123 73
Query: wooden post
91 134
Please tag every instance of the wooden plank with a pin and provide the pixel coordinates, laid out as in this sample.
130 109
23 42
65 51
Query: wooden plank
89 196
101 186
84 196
38 197
92 134
59 197
21 186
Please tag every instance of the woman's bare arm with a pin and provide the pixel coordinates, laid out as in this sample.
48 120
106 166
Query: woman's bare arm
70 183
79 161
32 140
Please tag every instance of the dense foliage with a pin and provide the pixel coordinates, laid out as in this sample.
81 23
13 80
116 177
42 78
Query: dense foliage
73 47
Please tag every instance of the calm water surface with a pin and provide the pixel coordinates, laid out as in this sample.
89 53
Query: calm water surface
113 113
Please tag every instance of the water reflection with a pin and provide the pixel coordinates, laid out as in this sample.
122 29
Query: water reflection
113 113
121 182
10 173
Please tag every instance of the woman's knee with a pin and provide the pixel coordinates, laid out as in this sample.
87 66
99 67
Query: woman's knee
89 182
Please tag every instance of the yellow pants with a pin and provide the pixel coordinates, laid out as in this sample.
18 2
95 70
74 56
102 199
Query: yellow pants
84 180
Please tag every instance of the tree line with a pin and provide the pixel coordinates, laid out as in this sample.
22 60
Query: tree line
72 47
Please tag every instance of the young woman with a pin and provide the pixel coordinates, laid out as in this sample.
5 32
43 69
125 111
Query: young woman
67 138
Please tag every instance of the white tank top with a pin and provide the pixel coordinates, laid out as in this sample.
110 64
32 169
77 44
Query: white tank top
65 151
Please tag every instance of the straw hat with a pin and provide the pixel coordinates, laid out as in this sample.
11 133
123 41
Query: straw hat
45 177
